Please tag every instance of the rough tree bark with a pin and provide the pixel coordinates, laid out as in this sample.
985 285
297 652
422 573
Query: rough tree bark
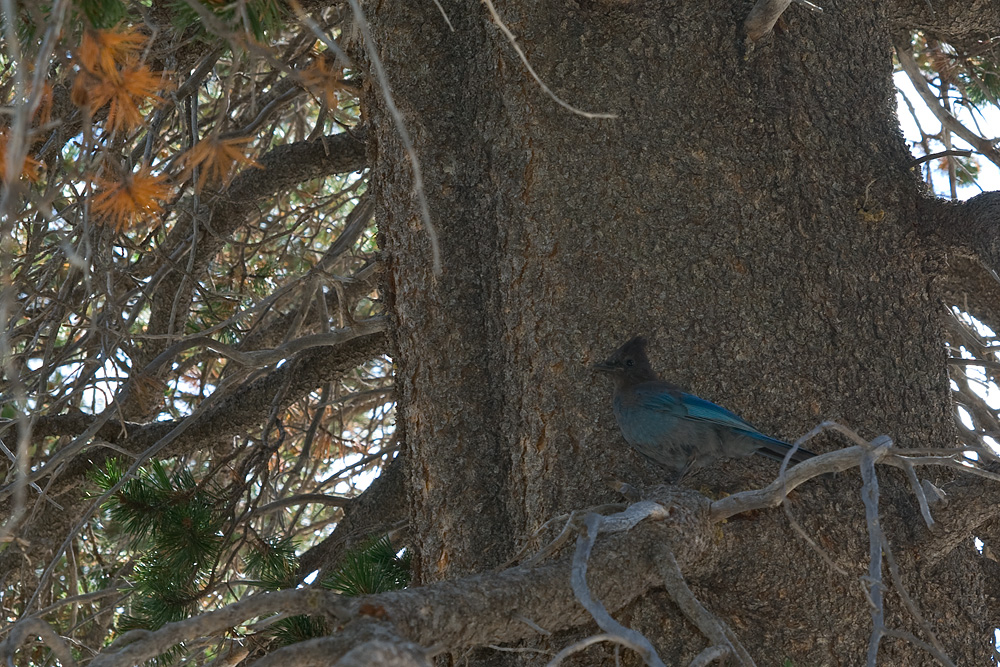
751 210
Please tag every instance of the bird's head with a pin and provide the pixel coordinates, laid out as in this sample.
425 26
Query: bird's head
628 365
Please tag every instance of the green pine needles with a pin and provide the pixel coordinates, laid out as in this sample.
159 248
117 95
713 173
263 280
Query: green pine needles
257 18
103 13
180 537
172 528
373 567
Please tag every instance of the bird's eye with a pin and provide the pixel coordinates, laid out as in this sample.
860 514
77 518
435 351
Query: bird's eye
630 363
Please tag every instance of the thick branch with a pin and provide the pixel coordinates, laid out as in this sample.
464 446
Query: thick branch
944 116
972 226
477 610
971 505
501 607
971 288
381 507
966 24
237 414
763 16
283 168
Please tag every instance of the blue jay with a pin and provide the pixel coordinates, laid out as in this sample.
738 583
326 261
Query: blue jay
679 431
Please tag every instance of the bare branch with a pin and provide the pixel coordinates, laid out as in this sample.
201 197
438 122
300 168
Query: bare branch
773 494
869 496
497 601
763 16
292 601
626 636
576 647
39 628
936 649
905 56
404 135
531 70
712 627
940 154
918 491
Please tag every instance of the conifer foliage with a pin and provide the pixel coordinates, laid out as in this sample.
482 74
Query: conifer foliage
192 318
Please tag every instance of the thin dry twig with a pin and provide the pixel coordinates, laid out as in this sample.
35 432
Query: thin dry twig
916 641
404 135
711 626
763 16
918 491
39 628
873 582
531 70
580 645
445 15
905 57
578 579
572 523
813 544
935 649
16 151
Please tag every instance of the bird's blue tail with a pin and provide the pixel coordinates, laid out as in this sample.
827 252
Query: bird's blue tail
776 449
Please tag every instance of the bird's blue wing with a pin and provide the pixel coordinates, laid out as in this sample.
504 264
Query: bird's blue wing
658 397
664 408
665 397
699 408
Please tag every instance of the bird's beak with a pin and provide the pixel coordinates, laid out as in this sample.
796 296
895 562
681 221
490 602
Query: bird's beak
604 367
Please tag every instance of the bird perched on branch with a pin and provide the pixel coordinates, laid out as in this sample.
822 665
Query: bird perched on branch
679 431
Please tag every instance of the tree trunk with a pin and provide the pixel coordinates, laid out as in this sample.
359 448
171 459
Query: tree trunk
750 210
